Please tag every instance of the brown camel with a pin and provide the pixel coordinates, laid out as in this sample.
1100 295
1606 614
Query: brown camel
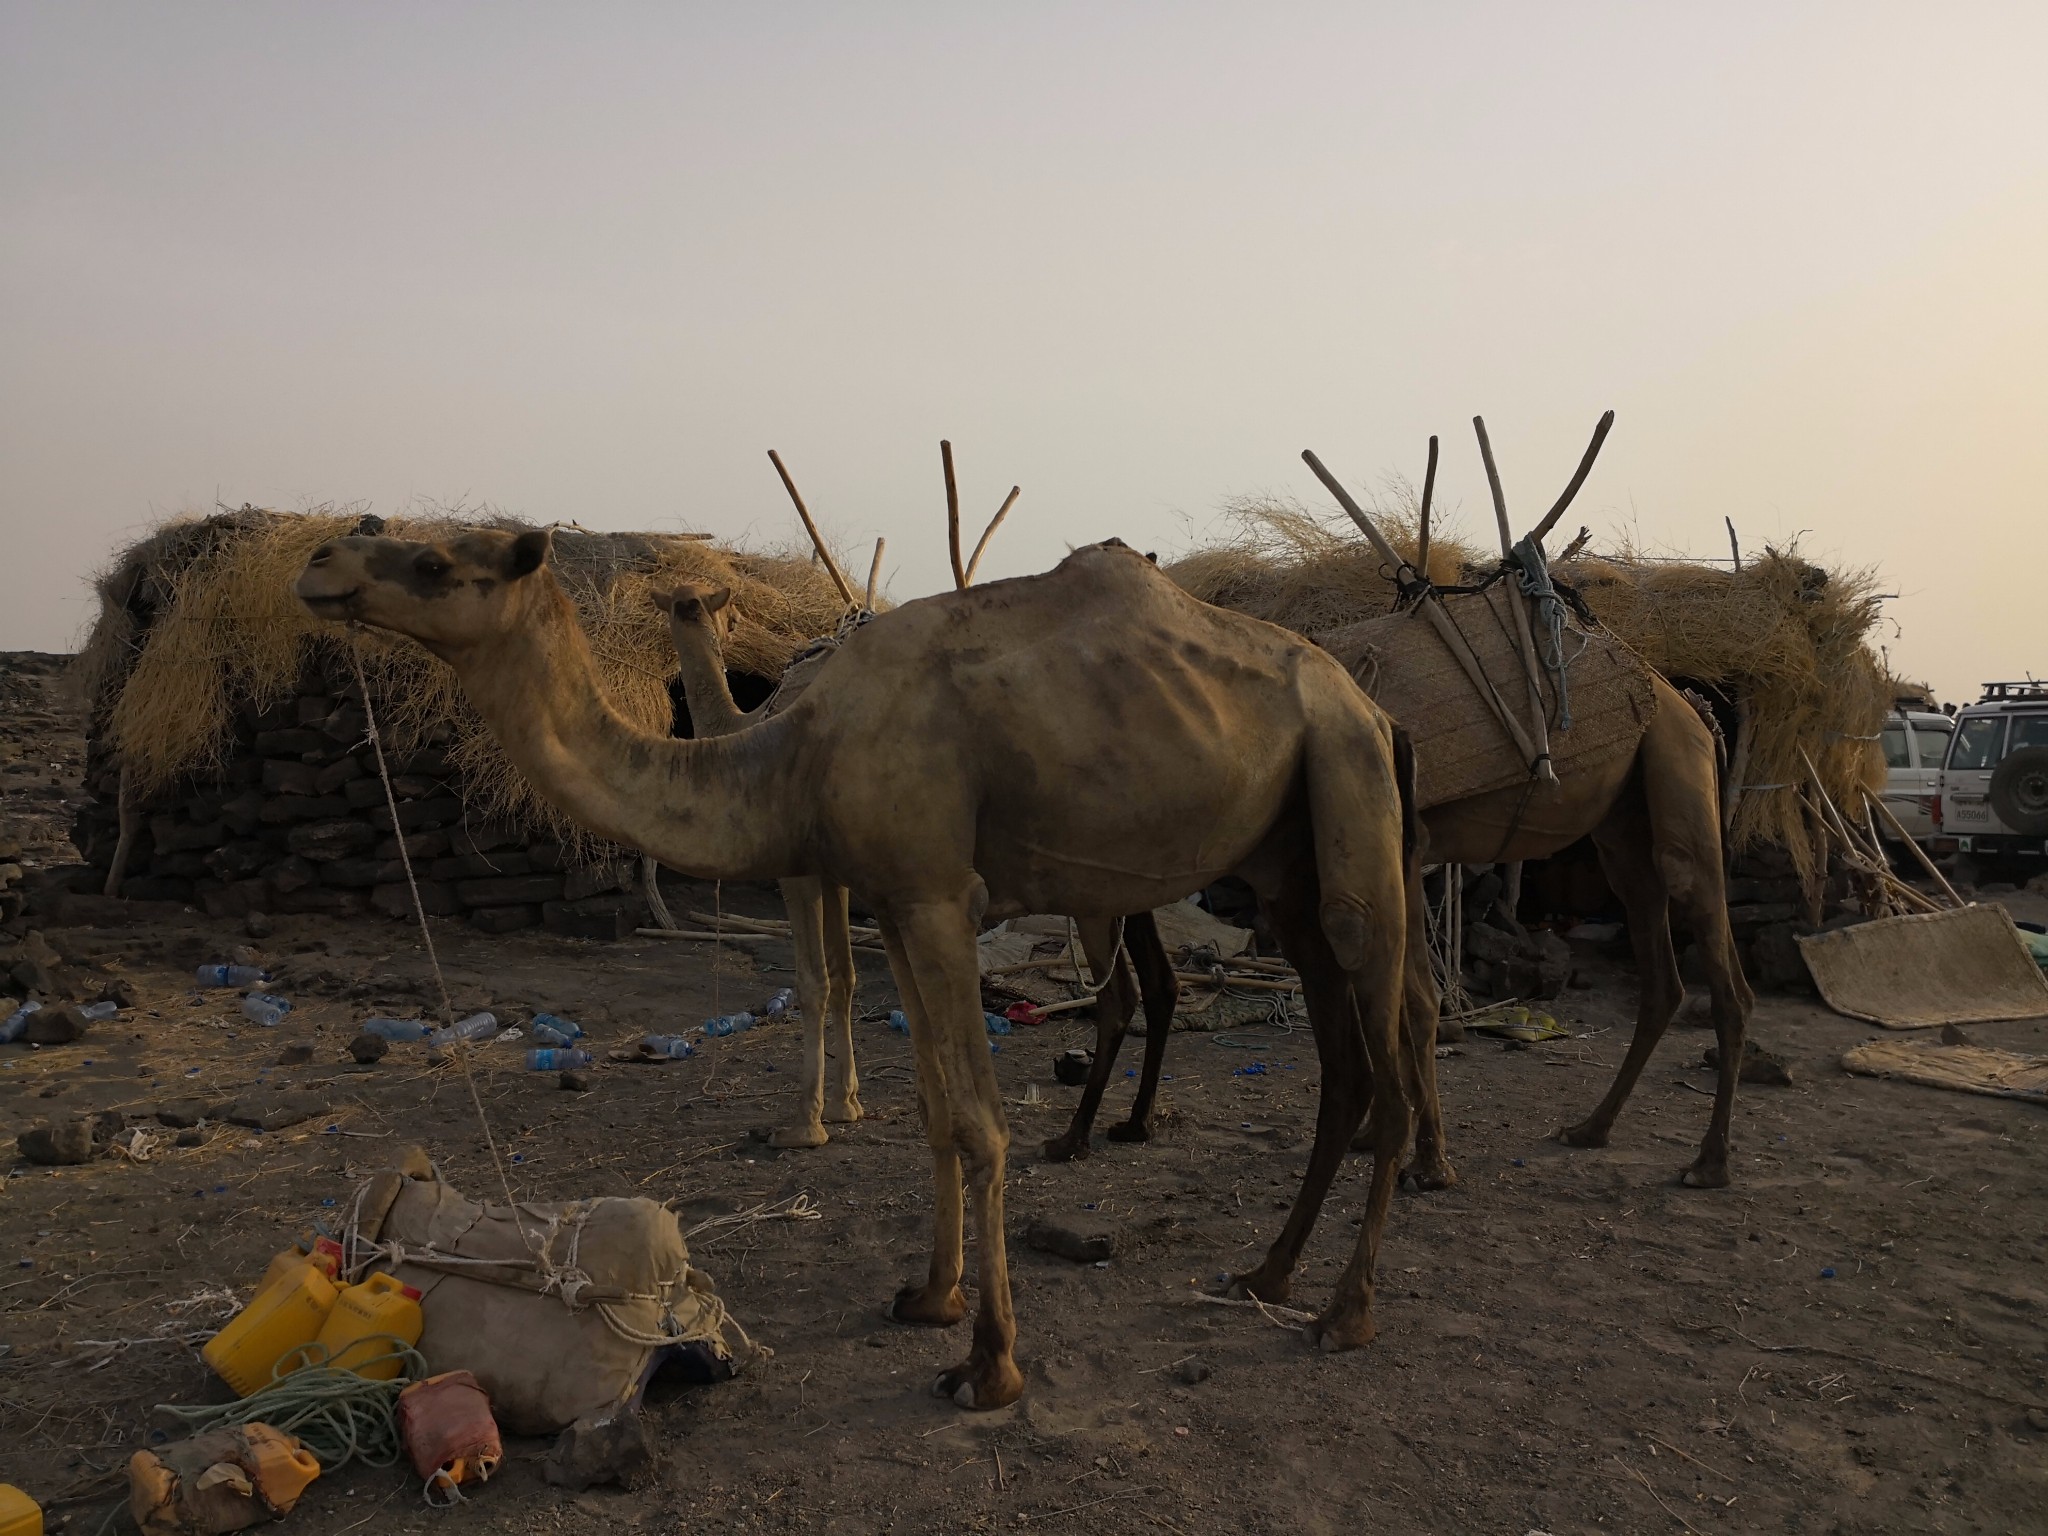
973 755
701 616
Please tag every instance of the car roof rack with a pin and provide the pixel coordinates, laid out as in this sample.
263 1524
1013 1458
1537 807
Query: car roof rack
2008 693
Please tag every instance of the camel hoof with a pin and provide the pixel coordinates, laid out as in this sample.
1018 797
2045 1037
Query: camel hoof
798 1136
1343 1328
914 1305
1585 1135
1064 1149
1130 1130
1258 1286
1706 1176
1430 1174
996 1384
846 1111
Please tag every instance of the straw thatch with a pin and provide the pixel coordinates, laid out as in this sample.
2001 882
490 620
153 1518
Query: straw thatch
1781 642
197 623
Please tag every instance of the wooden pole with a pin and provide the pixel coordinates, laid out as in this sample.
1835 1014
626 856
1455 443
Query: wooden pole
817 543
1585 468
1734 544
952 516
124 801
875 572
1918 852
974 562
1546 773
1422 523
1431 609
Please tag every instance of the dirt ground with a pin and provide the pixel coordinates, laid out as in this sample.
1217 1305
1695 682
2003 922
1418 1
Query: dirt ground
1848 1340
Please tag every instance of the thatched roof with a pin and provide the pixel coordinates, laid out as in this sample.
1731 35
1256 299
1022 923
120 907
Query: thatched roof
197 621
1781 637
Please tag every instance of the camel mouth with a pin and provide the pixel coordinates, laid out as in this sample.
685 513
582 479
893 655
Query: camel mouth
330 605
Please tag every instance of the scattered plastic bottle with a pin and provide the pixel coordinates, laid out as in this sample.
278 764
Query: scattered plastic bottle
995 1023
265 1008
553 1058
400 1031
899 1021
17 1021
222 975
100 1012
779 1004
729 1024
675 1047
475 1027
550 1029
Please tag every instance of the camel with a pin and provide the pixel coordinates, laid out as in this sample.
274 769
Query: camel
700 617
973 755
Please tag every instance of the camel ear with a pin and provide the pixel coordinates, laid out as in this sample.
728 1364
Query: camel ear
529 552
715 598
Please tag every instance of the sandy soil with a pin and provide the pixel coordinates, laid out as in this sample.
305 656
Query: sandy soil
1849 1340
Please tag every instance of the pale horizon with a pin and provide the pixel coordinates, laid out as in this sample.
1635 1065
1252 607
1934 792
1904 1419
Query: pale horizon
590 266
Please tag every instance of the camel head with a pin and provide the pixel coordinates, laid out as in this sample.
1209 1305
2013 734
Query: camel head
707 605
449 595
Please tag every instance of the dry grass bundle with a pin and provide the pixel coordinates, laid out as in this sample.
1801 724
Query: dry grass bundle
1781 638
197 621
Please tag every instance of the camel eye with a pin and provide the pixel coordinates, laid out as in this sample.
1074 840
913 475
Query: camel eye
432 566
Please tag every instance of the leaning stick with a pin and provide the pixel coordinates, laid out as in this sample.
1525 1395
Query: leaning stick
650 887
1585 468
952 516
817 543
1526 641
1431 609
1422 526
875 572
125 842
974 562
1918 852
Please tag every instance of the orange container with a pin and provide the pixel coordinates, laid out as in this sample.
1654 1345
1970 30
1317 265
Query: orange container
219 1481
380 1305
287 1316
20 1515
446 1425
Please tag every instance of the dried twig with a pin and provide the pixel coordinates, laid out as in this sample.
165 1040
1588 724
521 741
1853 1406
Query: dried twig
817 543
875 572
952 516
974 562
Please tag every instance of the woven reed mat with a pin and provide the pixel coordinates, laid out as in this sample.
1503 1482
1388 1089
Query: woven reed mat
1967 965
1460 746
1964 1068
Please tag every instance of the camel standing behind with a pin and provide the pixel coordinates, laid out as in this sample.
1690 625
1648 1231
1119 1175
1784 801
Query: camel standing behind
1091 741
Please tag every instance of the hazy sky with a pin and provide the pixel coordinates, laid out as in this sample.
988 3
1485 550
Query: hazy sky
592 261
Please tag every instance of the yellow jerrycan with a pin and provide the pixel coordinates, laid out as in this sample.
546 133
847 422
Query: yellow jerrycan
287 1315
381 1304
325 1257
19 1514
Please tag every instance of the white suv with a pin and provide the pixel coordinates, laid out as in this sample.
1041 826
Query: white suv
1994 790
1915 745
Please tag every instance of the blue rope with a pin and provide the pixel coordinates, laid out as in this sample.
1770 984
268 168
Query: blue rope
1533 573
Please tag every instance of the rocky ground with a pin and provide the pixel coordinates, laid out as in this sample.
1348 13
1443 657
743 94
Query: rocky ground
1848 1340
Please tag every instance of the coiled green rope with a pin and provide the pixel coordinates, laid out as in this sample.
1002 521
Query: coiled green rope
338 1415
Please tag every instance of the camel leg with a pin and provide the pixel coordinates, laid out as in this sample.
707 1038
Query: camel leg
1161 992
938 1303
1623 842
1114 1005
842 1105
1344 1093
938 942
802 900
1420 1005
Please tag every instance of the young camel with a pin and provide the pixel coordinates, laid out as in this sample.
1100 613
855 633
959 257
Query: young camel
1089 741
701 617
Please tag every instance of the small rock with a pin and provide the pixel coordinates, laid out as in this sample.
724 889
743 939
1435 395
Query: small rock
121 993
181 1114
272 1112
1950 1035
2037 1420
612 1446
1082 1240
58 1024
368 1048
58 1145
1072 1067
106 1125
258 925
1189 1372
190 1138
295 1055
1758 1065
574 1082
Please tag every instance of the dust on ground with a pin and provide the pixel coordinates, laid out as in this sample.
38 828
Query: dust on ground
1848 1340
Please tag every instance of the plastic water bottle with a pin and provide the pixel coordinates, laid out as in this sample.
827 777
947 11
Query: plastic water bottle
778 1005
219 975
17 1021
995 1023
729 1024
402 1031
265 1008
899 1021
100 1012
675 1047
549 1029
553 1058
475 1027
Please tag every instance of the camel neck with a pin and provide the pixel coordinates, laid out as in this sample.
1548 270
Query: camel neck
725 808
709 695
